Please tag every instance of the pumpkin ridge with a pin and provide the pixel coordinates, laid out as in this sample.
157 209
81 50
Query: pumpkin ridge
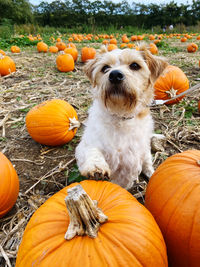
190 235
180 200
116 240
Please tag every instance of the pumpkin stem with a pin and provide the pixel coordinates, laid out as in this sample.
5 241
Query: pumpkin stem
172 92
74 123
85 216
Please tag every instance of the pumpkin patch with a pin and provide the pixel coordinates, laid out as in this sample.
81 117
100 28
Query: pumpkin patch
44 101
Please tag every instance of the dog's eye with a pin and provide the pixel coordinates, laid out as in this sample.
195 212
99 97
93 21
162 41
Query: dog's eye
105 68
135 66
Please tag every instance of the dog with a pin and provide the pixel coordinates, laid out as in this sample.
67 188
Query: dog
116 141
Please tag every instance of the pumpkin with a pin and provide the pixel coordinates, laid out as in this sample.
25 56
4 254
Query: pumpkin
42 47
87 53
61 46
111 47
65 62
53 49
15 49
173 197
183 39
153 48
2 52
71 45
191 48
72 51
53 122
7 65
9 185
113 41
120 232
170 83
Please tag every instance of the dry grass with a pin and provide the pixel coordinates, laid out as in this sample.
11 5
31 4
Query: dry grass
45 170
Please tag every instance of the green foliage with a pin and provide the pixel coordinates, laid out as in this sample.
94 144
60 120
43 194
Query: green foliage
75 176
19 41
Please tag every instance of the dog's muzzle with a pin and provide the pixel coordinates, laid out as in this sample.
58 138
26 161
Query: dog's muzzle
116 76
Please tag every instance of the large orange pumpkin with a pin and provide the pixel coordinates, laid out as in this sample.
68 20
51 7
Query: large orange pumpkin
61 46
52 123
87 53
173 197
170 83
9 185
130 237
7 65
65 62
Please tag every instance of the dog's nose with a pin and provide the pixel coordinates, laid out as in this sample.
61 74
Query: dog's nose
116 76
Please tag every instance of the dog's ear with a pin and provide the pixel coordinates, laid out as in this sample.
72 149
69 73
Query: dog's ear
89 70
155 64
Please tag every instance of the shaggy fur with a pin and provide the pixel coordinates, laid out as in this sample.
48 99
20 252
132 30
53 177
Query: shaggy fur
116 140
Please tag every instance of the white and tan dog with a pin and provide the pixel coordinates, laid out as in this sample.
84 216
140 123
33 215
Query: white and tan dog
116 140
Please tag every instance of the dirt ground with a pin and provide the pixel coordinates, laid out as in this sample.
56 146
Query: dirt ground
44 170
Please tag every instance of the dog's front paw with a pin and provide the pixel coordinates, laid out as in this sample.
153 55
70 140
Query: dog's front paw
96 171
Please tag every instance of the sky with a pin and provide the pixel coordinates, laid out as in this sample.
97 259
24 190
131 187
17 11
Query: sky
37 2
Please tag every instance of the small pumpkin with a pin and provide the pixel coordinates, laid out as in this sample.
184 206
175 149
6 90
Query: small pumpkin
65 62
153 48
173 197
53 122
53 49
42 47
192 47
128 237
15 49
61 46
87 53
2 52
72 51
9 185
170 83
111 47
7 65
113 41
183 39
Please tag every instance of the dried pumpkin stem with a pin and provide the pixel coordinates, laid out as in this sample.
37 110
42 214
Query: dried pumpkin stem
85 216
172 93
74 123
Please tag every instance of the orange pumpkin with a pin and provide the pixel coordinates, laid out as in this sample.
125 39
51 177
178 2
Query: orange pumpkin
9 185
130 237
42 47
173 197
15 49
2 52
170 83
111 47
71 45
153 48
87 53
191 48
72 51
183 39
113 41
52 122
61 46
53 49
65 62
7 65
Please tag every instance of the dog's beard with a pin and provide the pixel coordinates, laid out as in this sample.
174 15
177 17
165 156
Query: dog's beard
118 98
